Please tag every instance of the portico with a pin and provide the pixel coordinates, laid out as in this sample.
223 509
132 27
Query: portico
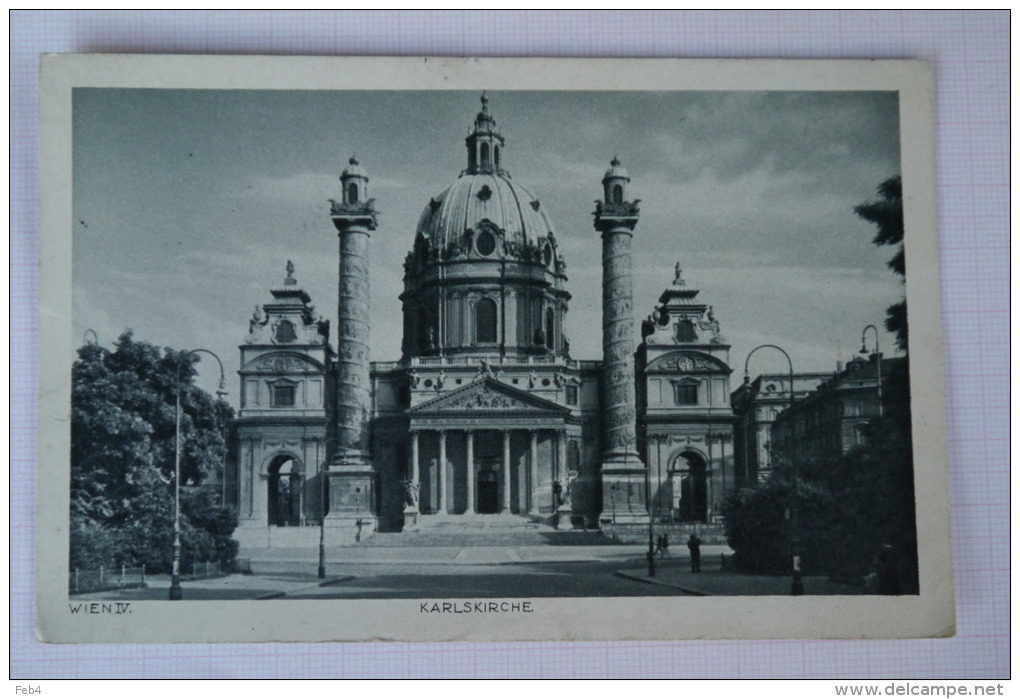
490 449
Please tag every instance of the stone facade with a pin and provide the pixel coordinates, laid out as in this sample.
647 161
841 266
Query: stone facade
756 404
686 420
486 413
830 421
282 426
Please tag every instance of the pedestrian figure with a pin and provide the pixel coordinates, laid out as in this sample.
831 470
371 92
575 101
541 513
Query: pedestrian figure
694 546
658 545
665 545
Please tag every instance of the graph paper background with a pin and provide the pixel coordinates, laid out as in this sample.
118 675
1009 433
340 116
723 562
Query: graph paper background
970 55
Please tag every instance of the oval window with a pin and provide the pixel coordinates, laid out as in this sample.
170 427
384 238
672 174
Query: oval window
547 255
485 244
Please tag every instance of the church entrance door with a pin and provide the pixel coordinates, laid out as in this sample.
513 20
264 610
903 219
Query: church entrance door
488 492
284 493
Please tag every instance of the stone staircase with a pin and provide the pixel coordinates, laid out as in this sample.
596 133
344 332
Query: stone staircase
465 531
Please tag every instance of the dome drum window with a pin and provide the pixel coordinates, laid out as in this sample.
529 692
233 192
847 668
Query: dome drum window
485 243
547 255
485 321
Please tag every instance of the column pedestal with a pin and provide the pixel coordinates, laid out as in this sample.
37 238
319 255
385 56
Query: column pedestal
351 499
624 495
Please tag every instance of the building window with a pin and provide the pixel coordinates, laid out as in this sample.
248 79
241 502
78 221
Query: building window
285 332
617 194
571 395
485 154
685 393
485 321
550 320
283 395
352 193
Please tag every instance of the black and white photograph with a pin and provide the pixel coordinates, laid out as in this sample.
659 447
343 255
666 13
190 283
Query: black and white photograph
500 350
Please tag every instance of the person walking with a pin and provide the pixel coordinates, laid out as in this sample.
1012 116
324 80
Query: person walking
664 546
694 546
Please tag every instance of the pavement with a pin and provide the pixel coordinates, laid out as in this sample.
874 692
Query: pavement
272 558
280 573
229 587
712 581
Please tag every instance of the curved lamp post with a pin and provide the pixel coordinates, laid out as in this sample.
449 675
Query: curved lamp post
878 362
175 578
85 337
797 587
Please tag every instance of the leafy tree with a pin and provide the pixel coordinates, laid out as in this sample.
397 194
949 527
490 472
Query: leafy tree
861 505
122 458
886 213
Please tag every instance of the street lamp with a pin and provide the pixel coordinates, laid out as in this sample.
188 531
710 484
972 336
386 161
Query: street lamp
878 362
322 511
797 587
85 337
175 578
651 524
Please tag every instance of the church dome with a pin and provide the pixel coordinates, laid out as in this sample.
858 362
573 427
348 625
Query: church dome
483 199
485 274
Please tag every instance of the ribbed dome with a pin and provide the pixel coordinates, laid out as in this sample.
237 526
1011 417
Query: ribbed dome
473 198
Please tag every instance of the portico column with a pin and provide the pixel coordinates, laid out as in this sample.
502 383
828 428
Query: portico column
533 468
506 471
470 509
441 475
415 469
561 456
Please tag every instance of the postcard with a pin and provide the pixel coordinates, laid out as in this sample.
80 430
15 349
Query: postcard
352 349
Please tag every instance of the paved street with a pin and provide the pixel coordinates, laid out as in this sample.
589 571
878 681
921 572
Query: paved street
391 572
562 579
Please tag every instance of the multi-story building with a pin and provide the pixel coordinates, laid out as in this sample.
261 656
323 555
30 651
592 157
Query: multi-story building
831 420
756 405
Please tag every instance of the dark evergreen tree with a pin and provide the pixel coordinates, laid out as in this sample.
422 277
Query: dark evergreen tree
886 212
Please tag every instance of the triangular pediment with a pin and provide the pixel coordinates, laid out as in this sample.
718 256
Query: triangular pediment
490 395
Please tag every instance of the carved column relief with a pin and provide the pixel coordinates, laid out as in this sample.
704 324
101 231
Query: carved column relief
353 391
620 419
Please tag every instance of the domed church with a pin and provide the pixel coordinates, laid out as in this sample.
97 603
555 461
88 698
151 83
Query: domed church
485 414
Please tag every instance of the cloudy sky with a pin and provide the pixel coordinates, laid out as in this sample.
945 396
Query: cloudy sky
188 204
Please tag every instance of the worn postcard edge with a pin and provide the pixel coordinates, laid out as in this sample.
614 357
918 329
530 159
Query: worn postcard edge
929 614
